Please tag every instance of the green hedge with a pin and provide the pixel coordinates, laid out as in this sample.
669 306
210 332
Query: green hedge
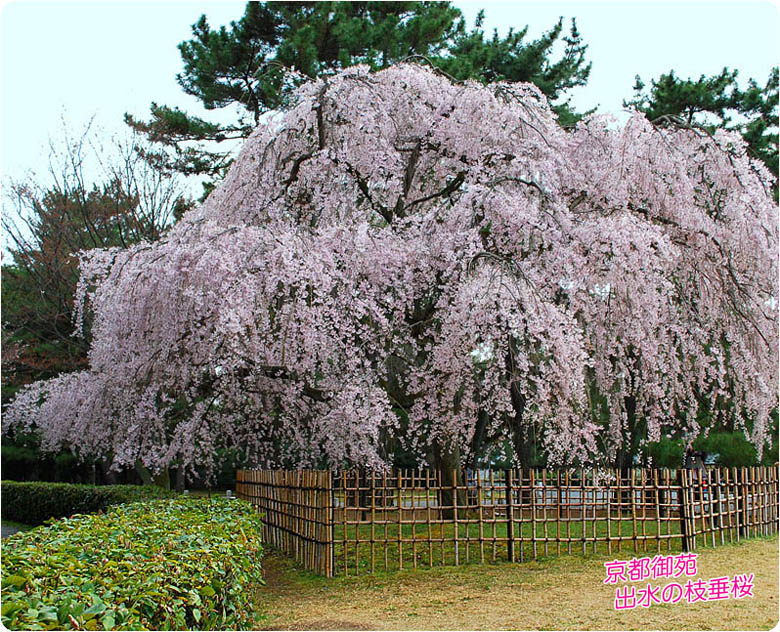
35 502
188 563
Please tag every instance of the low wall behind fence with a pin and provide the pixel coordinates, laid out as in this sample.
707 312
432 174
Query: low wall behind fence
341 523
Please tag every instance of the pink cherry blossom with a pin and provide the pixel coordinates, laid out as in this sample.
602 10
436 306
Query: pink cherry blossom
399 257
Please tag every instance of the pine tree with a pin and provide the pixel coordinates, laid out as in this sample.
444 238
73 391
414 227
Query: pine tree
717 102
512 59
247 64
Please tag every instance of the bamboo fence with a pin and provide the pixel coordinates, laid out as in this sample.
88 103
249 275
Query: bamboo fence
351 522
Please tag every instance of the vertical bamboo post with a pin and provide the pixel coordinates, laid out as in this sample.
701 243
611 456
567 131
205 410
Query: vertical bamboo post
700 480
480 518
681 482
620 503
594 505
345 511
386 543
415 480
775 497
769 503
544 509
493 512
510 517
400 520
657 510
764 502
373 522
719 487
645 495
466 513
582 510
740 479
428 516
455 515
440 480
633 510
754 503
359 513
558 511
609 503
734 506
729 514
532 481
331 495
767 499
711 498
568 512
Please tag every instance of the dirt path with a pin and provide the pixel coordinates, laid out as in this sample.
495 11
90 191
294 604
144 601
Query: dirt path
564 593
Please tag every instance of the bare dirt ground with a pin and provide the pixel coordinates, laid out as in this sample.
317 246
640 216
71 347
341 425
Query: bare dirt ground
565 593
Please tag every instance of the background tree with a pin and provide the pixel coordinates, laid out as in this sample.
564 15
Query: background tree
717 102
94 197
246 65
473 56
402 241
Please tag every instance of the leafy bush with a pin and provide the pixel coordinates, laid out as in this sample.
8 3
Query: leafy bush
188 563
36 502
23 460
666 452
731 449
18 460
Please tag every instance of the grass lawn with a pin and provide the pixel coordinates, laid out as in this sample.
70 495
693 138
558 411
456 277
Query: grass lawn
564 593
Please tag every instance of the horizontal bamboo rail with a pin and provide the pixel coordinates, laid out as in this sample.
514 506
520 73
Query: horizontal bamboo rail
350 522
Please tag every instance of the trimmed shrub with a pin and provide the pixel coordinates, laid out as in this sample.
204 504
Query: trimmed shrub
188 563
35 502
18 461
732 449
666 452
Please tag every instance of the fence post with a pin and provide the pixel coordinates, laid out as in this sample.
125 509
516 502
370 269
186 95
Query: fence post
740 479
682 497
510 525
329 527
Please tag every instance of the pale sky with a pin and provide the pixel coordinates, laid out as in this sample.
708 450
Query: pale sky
108 58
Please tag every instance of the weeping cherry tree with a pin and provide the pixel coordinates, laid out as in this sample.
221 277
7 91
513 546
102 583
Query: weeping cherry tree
402 259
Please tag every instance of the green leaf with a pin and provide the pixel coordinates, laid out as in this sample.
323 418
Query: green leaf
108 622
196 614
15 580
98 607
9 607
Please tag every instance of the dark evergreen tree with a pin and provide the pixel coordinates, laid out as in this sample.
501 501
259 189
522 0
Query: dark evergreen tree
717 102
511 58
247 64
